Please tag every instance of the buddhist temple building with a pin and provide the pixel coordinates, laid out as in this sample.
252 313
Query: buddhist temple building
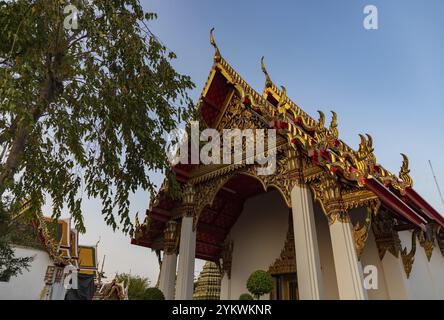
208 283
329 223
54 246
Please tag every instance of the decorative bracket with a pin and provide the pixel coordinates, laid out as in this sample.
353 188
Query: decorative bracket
227 256
360 234
409 258
386 236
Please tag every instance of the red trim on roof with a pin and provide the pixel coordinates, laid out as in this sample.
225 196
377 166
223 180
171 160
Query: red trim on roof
393 202
425 206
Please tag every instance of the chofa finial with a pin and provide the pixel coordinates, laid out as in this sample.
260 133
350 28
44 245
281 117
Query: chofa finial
334 125
404 173
268 82
217 55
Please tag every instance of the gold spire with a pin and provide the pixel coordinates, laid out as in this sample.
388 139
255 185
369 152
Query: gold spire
217 55
268 82
404 172
208 283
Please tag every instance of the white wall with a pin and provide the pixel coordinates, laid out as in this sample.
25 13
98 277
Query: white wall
28 285
258 236
370 256
426 279
436 267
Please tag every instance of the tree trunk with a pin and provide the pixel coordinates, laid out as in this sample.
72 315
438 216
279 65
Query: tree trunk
13 161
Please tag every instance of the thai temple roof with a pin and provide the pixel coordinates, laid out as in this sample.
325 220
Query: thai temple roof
209 283
357 170
56 237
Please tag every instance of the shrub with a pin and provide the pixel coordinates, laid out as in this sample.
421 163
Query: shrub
246 296
153 294
259 283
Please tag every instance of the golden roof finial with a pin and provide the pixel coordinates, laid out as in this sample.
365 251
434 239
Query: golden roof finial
217 55
362 145
321 121
404 172
268 82
334 125
281 107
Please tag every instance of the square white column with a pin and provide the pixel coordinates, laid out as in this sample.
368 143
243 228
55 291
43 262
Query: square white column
348 269
167 278
187 250
306 245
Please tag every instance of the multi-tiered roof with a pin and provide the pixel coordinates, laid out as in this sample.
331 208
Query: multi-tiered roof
356 170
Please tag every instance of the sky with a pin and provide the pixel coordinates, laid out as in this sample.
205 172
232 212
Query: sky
387 82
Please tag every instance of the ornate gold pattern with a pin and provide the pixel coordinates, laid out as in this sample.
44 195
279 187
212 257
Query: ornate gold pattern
171 238
360 234
440 240
327 191
409 258
208 283
217 55
427 244
286 263
310 153
404 173
268 82
187 209
227 257
386 236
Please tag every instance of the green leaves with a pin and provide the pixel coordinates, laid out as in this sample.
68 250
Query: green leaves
259 283
93 105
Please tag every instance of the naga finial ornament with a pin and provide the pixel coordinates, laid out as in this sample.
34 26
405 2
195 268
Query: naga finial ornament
321 121
334 125
404 172
409 258
281 107
268 82
217 55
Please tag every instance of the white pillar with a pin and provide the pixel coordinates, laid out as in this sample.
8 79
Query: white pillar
187 249
348 269
306 245
167 278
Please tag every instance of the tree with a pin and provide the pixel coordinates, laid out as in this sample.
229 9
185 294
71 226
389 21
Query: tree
9 265
259 283
85 106
137 285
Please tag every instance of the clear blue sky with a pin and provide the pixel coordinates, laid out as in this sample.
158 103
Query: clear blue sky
387 82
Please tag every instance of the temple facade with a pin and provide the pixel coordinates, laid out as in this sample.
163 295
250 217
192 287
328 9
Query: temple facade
54 246
329 223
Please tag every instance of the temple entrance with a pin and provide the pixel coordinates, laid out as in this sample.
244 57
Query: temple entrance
285 287
283 270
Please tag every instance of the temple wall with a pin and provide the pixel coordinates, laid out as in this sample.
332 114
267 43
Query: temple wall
436 267
330 286
426 279
258 236
370 256
28 285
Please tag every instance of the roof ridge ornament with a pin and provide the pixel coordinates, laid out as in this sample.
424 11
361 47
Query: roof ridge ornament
217 55
334 125
404 173
268 82
282 104
321 121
